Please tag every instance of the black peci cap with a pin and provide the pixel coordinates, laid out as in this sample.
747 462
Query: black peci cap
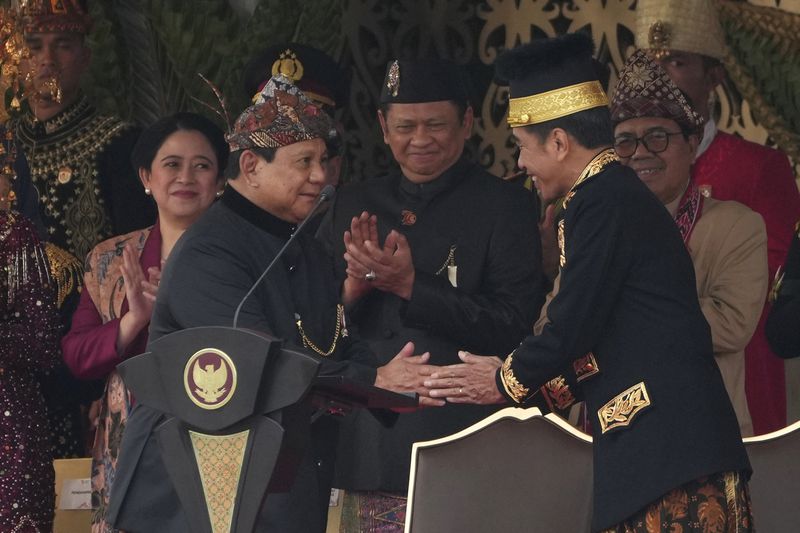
424 80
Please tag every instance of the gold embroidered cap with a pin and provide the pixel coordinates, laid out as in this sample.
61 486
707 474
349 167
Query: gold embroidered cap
54 16
550 79
682 25
646 90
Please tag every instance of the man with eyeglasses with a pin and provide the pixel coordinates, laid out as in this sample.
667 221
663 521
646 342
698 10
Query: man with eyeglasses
686 39
656 134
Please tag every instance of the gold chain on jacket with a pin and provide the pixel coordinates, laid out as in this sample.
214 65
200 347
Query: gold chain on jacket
308 343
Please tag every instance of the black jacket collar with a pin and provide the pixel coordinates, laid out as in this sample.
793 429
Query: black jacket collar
257 216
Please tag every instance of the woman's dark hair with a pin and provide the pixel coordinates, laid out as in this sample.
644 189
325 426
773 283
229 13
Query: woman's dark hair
153 137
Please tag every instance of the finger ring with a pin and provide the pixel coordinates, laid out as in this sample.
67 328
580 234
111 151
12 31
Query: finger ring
370 276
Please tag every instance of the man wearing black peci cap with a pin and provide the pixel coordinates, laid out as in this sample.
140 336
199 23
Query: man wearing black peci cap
625 331
438 252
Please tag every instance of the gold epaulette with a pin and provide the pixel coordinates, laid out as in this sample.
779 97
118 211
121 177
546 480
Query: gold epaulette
65 269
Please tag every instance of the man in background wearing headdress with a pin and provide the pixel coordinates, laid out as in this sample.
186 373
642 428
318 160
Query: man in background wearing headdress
275 176
656 134
438 252
686 38
79 163
625 330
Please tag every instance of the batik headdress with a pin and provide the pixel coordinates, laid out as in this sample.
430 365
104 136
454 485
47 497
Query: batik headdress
282 115
646 90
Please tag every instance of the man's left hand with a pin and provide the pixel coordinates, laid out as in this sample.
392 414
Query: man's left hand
473 381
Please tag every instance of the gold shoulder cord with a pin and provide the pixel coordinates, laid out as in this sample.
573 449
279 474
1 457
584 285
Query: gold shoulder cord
594 167
308 343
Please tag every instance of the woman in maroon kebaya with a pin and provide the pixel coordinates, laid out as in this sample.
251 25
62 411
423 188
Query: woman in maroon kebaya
180 160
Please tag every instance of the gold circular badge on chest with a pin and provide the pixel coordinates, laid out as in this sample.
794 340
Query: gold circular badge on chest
64 175
209 378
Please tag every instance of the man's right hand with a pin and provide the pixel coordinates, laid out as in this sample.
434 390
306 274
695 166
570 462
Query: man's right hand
407 372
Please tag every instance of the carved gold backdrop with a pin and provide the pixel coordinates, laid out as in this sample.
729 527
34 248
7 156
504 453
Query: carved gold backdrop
147 53
473 34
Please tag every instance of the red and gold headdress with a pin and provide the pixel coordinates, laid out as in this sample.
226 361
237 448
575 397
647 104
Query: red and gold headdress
55 16
646 90
282 115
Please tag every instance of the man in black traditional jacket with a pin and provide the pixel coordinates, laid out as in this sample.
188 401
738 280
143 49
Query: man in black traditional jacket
440 253
78 163
274 179
625 329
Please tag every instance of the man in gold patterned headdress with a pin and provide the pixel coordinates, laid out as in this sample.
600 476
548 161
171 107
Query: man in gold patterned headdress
663 424
79 164
276 180
656 134
686 38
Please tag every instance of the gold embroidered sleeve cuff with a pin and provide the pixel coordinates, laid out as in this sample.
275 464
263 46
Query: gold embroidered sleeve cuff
538 108
514 389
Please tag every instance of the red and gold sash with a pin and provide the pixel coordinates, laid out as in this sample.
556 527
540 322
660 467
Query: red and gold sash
689 210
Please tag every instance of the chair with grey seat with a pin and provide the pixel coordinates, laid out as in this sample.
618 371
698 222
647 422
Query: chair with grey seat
521 471
515 471
775 484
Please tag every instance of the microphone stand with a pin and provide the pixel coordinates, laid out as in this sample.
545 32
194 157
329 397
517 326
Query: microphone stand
326 194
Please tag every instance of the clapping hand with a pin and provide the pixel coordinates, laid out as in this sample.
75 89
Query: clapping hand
388 268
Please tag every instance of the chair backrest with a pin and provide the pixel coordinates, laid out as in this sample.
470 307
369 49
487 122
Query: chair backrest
775 485
515 471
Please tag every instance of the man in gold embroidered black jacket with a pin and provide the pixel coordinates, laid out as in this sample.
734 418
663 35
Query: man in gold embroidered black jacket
658 406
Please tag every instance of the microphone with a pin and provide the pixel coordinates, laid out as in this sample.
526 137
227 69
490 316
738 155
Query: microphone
328 192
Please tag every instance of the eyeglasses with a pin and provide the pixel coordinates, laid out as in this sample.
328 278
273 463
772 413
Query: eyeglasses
655 141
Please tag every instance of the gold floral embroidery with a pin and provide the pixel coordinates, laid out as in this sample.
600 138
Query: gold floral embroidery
619 412
513 387
585 367
562 257
557 393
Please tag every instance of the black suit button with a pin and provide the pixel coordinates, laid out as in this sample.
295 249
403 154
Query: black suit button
388 334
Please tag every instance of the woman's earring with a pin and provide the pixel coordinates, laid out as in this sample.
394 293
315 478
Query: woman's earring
219 194
147 191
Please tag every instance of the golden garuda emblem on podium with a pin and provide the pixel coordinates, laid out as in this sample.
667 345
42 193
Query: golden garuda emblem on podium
210 378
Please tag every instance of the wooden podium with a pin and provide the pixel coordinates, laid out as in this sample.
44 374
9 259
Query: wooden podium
239 408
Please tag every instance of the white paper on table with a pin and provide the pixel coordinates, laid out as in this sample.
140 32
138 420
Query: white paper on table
334 499
76 494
